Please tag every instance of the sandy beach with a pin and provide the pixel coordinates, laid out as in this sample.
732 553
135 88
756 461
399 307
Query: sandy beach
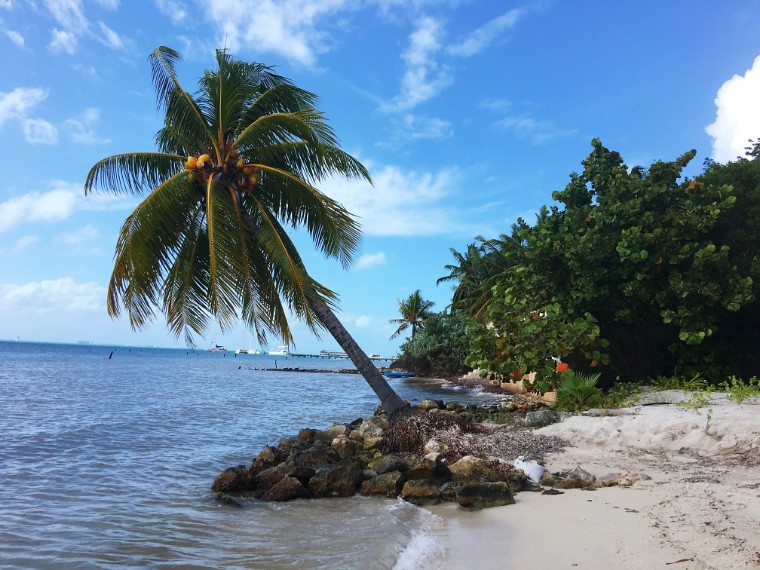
699 509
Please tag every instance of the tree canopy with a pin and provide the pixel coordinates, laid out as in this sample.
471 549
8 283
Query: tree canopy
637 271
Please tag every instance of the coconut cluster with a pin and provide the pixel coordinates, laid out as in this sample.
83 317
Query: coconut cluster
244 176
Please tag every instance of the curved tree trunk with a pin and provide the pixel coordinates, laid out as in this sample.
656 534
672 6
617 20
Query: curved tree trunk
388 397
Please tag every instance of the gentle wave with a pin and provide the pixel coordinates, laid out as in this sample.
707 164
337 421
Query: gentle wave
107 463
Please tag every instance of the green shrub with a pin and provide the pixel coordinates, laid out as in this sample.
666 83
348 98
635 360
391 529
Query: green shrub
578 392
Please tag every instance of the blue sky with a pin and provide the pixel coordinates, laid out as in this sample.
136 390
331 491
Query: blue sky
468 114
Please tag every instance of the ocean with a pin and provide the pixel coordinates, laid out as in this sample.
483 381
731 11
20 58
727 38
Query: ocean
108 462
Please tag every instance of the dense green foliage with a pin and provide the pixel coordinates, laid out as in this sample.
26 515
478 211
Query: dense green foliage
637 271
440 348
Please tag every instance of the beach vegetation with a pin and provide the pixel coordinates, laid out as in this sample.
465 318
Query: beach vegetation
637 271
414 312
238 164
440 348
740 391
621 394
577 391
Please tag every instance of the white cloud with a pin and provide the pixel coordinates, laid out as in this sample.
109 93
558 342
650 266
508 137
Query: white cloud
293 29
738 116
371 260
63 41
25 242
363 321
176 10
7 4
52 296
85 235
108 4
539 131
478 40
39 131
54 205
80 129
15 37
68 13
420 127
109 37
17 103
424 77
405 203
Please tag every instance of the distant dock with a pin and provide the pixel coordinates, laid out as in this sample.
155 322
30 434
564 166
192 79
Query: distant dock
334 355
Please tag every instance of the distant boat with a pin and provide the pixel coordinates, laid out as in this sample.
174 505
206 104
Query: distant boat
399 374
216 348
247 351
281 351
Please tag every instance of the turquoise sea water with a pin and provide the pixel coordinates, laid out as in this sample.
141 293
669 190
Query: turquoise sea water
107 463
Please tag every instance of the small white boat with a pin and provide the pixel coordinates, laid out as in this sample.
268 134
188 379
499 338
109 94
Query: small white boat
247 351
216 348
281 351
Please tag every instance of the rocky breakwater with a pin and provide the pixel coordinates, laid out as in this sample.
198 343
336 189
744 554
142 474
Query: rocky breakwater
432 453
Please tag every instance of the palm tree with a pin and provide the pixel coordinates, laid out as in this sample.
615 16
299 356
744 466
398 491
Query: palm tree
414 310
479 268
236 163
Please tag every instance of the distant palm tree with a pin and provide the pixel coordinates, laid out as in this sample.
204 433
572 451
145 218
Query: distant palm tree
478 269
237 162
414 310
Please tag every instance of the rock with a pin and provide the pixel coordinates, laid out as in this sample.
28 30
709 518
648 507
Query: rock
421 492
389 463
373 427
303 474
228 500
387 484
655 397
621 479
552 492
265 459
578 478
334 431
315 457
233 479
269 478
372 442
420 468
345 446
540 418
430 405
477 496
473 468
338 480
286 489
435 446
307 435
454 406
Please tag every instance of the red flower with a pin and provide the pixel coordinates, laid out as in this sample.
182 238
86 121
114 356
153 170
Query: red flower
562 367
515 374
594 363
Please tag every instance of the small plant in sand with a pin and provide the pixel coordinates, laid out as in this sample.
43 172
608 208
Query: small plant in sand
698 400
578 392
692 384
739 390
621 395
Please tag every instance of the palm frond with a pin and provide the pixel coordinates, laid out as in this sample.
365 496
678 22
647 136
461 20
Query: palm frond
147 245
133 173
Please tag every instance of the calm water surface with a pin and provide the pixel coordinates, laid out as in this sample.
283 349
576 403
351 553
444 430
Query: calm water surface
107 463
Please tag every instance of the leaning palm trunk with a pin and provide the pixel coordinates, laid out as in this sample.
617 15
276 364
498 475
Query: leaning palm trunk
388 397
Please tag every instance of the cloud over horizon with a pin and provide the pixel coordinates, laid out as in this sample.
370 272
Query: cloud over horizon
737 119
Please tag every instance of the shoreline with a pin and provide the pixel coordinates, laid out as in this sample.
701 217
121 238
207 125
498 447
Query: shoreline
699 510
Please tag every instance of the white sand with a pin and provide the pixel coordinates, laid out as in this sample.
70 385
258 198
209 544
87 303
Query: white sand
701 508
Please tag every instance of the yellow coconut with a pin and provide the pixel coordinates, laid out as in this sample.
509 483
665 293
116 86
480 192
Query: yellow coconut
240 163
253 180
203 160
192 162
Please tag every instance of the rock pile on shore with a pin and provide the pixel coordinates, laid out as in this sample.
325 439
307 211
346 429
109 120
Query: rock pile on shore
435 452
